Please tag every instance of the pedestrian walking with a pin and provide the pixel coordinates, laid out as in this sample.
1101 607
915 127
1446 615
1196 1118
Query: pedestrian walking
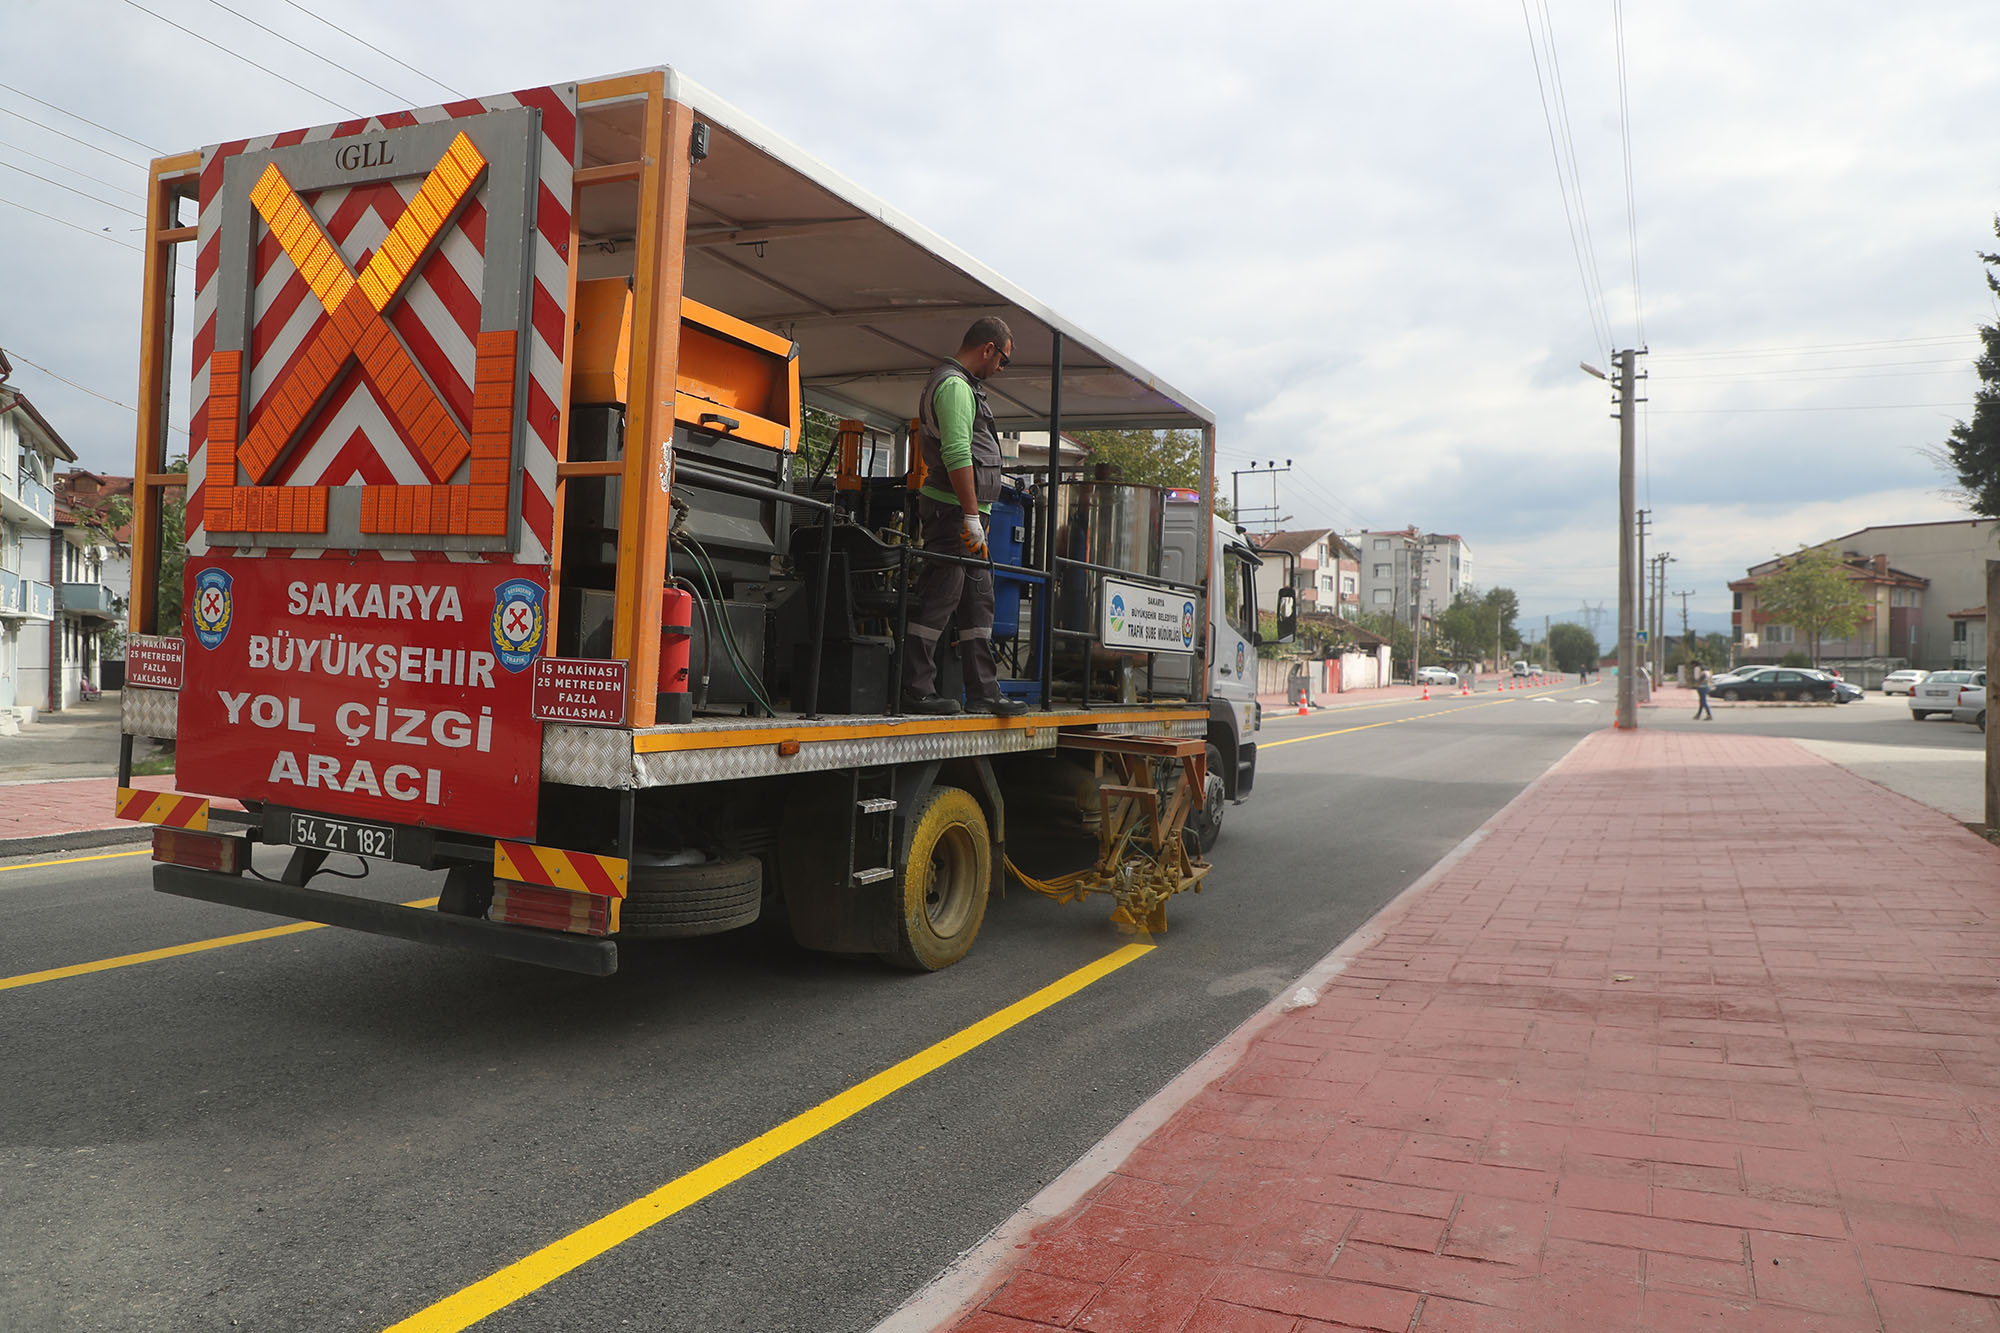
1701 680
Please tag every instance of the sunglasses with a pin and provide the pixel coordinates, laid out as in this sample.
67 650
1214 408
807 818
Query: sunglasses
1005 360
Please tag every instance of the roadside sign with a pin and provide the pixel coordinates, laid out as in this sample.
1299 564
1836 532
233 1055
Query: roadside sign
1137 618
580 690
155 663
1639 636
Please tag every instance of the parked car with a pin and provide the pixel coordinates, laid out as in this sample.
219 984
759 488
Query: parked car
1436 676
1773 683
1904 681
1938 692
1845 692
1522 669
1971 705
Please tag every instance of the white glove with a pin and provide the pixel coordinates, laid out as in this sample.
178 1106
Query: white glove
975 532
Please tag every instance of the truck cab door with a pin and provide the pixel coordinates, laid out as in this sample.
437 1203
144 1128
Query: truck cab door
1233 668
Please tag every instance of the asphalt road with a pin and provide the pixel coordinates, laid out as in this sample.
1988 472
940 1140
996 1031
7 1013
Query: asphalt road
329 1131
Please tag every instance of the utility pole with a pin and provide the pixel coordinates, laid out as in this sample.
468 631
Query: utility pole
1642 620
1626 372
1413 559
1686 633
1657 629
1256 469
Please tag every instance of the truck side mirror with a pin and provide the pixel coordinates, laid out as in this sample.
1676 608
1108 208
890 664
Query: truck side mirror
1288 614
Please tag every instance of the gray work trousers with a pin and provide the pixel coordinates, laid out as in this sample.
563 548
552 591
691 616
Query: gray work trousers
942 589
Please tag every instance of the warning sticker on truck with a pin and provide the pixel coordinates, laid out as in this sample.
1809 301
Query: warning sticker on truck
367 688
1138 618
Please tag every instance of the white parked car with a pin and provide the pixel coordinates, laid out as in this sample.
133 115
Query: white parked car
1436 676
1938 692
1904 681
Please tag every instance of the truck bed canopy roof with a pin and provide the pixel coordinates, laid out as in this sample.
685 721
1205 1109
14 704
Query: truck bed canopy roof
874 299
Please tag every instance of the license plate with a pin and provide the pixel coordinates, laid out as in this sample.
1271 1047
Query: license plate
344 835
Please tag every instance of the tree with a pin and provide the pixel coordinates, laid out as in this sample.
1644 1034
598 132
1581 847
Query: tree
1150 458
1573 647
1396 631
1467 627
1814 593
1974 448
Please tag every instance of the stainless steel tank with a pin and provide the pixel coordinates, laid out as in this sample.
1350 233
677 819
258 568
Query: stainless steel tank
1110 524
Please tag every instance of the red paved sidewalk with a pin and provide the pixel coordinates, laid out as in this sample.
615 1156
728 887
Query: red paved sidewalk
66 813
1701 1033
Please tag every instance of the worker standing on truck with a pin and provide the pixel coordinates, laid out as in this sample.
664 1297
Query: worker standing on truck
961 453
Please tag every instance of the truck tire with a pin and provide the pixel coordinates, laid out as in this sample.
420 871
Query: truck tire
1204 825
676 902
947 859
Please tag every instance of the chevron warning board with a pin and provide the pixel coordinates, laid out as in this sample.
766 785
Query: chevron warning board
380 323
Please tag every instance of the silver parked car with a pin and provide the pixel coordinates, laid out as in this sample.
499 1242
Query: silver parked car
1904 681
1938 692
1971 705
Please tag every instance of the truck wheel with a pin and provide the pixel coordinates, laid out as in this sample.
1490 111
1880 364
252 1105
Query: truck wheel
675 902
947 865
1204 825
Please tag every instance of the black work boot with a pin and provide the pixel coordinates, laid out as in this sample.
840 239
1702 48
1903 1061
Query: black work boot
999 705
935 705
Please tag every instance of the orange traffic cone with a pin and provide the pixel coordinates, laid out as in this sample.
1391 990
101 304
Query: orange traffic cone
1427 694
1302 708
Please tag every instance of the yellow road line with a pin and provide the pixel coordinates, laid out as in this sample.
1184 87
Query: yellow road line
72 860
172 951
1398 721
467 1307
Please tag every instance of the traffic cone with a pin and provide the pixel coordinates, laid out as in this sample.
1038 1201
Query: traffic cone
1302 708
1427 694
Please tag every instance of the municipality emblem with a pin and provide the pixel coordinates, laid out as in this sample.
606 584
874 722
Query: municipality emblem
214 607
1187 624
1117 613
518 623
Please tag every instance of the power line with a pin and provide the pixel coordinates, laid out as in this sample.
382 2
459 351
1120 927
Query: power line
74 226
50 129
352 36
136 143
1600 337
1575 169
36 175
80 388
1631 195
1854 407
1810 348
245 59
328 60
95 180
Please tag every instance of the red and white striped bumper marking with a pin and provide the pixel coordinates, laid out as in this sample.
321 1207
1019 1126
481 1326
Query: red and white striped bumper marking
577 872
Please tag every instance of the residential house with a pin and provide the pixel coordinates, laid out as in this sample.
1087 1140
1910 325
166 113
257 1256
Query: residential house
1326 572
1952 556
95 575
30 449
1889 628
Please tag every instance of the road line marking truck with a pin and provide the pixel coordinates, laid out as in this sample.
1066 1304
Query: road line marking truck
507 555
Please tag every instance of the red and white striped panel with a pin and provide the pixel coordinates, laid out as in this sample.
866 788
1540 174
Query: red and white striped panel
437 318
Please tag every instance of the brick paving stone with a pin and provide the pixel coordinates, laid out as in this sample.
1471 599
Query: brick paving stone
1698 1033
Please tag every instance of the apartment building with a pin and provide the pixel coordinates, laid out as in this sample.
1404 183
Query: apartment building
1406 570
30 450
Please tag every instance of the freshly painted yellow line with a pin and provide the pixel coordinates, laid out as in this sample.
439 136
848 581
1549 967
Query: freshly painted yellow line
537 1270
1414 717
72 860
172 951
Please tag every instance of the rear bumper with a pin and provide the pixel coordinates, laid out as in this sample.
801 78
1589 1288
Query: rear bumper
571 953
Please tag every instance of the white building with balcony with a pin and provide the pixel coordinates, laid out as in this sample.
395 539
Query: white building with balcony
30 450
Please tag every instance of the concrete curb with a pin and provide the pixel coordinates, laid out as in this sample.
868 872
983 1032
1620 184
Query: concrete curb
975 1274
75 840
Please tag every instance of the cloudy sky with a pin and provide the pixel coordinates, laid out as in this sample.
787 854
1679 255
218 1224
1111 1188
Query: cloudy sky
1339 225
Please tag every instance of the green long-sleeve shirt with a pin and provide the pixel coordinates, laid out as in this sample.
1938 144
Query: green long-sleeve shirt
954 407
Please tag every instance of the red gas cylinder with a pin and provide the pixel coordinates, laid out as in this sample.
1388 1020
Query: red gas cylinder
676 627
